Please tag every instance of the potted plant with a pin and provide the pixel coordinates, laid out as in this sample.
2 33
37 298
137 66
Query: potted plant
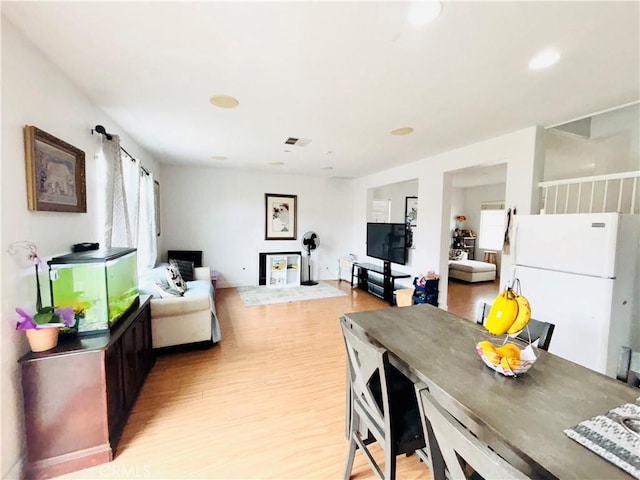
42 329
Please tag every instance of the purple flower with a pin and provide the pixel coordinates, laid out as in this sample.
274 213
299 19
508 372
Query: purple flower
67 315
27 322
52 318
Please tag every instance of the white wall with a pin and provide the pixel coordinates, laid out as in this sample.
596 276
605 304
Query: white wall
521 150
222 212
35 92
397 194
473 199
458 207
612 147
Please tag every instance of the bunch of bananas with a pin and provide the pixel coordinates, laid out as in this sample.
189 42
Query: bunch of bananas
509 313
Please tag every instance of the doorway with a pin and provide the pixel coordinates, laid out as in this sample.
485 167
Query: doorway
475 195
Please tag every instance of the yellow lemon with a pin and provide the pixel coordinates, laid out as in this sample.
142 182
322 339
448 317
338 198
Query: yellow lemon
509 363
509 350
484 345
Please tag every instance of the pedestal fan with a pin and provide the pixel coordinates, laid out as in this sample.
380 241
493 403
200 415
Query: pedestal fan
310 241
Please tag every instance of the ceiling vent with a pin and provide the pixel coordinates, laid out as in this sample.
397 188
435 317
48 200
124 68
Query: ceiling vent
298 142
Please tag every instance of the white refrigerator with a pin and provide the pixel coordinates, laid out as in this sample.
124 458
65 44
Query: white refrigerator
580 272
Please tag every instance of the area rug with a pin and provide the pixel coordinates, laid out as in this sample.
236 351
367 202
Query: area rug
263 295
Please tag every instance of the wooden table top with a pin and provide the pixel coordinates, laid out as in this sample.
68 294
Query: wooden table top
527 414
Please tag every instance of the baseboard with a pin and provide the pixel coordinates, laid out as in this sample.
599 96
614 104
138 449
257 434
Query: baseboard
15 473
205 345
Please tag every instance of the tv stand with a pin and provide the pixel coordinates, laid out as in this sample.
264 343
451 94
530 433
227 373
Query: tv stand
376 280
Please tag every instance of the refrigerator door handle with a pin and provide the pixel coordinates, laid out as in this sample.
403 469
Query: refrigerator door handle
561 271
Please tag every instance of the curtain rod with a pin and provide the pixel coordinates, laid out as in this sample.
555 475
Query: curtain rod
101 130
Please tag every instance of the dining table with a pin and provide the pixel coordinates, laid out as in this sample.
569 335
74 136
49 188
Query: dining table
522 418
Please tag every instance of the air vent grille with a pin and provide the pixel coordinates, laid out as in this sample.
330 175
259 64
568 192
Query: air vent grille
298 142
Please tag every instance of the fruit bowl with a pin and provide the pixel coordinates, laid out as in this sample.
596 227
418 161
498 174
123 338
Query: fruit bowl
504 362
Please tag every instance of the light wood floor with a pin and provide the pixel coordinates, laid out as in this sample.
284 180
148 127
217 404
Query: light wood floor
268 402
464 299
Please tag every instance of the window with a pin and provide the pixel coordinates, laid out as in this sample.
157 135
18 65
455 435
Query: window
381 212
492 223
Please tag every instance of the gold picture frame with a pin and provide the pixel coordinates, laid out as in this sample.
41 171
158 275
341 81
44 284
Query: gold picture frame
55 173
281 217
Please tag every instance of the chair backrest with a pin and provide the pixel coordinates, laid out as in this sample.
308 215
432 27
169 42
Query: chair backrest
629 367
364 361
455 442
536 329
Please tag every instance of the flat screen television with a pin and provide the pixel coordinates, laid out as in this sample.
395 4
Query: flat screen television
387 242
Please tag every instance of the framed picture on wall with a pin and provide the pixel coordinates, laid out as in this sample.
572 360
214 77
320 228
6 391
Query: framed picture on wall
55 173
280 216
411 211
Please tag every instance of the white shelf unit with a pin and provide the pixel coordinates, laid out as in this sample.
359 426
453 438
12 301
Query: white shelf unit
283 270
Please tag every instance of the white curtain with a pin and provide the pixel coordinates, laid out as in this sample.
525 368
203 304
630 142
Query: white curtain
130 219
131 176
147 241
117 227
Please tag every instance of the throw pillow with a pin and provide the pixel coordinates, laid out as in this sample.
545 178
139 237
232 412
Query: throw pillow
185 267
174 279
455 254
167 292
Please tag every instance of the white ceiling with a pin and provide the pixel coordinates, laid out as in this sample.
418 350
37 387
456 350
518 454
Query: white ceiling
342 74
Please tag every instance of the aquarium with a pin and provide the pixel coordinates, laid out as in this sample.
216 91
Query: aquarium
100 285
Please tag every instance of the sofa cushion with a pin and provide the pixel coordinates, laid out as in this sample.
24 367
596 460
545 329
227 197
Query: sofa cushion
169 307
185 267
175 279
147 280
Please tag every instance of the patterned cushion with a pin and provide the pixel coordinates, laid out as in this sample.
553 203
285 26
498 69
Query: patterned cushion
455 254
167 292
185 267
174 279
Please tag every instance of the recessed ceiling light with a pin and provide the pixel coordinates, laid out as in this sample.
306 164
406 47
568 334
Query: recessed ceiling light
277 164
224 101
218 157
544 59
327 168
402 131
422 13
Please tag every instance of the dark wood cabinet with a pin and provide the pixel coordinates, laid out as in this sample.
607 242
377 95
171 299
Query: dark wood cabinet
78 396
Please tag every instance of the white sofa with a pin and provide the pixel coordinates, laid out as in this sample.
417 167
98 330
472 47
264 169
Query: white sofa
181 320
